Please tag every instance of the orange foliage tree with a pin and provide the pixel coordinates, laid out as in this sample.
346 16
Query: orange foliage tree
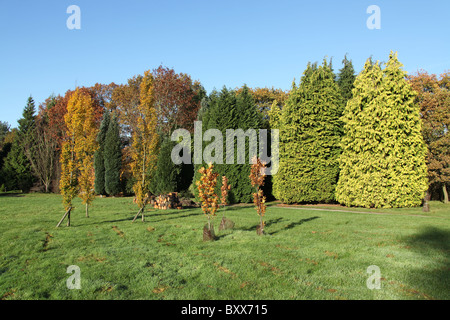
257 177
434 101
207 195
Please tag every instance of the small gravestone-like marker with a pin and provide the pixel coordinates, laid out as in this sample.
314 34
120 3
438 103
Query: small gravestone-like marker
226 224
208 233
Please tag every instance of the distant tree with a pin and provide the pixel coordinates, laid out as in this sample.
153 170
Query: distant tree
41 150
265 97
167 175
17 167
99 157
113 157
4 129
346 78
434 101
383 158
177 99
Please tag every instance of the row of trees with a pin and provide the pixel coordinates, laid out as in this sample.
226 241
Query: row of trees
367 140
363 142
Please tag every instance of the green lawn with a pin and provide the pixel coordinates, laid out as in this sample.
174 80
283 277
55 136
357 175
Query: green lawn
306 254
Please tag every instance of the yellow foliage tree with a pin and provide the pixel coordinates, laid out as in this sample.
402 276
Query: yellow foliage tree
144 143
77 166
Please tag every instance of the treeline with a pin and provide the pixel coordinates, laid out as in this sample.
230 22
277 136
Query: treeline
376 139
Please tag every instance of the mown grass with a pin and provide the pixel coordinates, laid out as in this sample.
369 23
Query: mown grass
306 254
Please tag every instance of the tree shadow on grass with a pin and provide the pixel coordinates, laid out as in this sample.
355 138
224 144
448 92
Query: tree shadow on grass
11 194
294 224
434 245
253 228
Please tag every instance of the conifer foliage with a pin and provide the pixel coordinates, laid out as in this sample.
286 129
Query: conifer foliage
310 134
228 110
113 157
383 159
99 158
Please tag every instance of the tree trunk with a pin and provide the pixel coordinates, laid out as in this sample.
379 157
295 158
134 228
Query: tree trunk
426 204
68 219
62 219
444 189
87 211
260 227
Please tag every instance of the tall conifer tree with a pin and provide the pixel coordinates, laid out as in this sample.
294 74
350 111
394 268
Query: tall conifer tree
99 159
346 78
383 159
310 134
112 154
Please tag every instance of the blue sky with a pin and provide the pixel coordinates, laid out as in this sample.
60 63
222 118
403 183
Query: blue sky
260 43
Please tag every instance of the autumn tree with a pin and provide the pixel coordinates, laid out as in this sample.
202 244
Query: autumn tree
265 97
56 118
225 223
77 154
434 101
177 99
210 201
144 143
257 176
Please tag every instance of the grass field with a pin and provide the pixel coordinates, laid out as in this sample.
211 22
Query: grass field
309 252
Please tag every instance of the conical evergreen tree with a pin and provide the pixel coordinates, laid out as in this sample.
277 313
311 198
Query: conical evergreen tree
310 134
226 110
346 78
383 159
170 177
17 167
99 159
112 155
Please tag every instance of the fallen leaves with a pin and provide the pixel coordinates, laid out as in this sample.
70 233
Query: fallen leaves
120 233
223 269
331 254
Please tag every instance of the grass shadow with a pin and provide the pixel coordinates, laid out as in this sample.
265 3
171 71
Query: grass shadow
293 225
11 194
434 245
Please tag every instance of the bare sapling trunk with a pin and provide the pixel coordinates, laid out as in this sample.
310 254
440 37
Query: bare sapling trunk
65 214
426 204
444 190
